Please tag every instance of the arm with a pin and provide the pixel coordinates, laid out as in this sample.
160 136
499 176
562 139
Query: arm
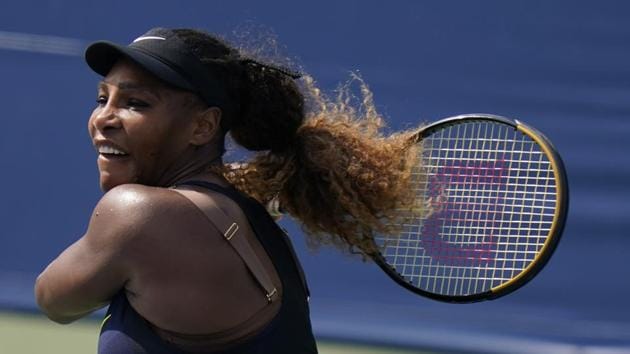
92 270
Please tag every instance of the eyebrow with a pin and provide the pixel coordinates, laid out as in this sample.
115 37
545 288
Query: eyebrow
132 86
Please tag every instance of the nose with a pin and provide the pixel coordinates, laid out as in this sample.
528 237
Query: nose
105 118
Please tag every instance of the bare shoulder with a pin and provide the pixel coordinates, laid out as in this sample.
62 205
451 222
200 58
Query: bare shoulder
131 210
135 199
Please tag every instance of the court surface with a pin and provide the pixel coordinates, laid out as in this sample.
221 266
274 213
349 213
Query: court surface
33 334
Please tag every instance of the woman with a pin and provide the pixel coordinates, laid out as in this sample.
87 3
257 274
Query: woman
179 246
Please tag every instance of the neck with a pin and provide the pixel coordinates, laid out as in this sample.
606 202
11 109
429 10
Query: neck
197 165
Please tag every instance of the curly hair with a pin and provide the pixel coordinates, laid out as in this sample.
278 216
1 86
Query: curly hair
326 161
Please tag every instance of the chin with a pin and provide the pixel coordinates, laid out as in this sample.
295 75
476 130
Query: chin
106 186
108 182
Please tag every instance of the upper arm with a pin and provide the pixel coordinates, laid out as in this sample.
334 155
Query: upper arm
88 273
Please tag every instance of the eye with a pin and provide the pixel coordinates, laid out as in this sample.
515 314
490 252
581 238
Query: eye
136 104
101 100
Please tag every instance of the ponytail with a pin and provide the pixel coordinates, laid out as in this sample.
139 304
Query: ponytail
343 179
327 162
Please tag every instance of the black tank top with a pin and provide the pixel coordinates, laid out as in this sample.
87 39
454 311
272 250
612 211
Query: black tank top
124 331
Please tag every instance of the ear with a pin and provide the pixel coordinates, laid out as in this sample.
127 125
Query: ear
207 125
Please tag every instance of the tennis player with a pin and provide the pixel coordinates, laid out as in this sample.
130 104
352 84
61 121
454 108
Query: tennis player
180 246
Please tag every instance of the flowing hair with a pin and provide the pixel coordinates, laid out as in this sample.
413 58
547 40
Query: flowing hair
344 180
325 160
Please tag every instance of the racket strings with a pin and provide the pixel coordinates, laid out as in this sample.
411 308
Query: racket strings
488 193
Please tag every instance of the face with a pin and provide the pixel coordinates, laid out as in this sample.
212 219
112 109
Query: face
140 127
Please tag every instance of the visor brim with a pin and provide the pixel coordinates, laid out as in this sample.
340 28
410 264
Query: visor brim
101 57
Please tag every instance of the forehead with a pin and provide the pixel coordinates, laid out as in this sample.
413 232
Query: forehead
128 75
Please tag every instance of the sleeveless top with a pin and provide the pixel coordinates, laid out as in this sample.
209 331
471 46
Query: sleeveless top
124 331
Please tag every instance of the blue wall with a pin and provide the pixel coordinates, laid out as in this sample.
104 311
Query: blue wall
561 66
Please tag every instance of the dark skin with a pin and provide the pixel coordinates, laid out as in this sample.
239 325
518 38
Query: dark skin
178 272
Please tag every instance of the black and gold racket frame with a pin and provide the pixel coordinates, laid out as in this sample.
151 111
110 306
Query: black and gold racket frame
562 202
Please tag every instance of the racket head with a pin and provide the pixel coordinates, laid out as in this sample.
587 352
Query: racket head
494 197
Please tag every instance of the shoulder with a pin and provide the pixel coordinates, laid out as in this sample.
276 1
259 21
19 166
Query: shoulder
134 200
130 210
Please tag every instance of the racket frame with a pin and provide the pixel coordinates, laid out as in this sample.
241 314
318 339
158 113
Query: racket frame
554 235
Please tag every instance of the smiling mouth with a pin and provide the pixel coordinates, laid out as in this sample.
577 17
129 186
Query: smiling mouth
111 152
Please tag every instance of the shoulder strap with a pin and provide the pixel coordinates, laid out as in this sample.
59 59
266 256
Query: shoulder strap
229 230
250 205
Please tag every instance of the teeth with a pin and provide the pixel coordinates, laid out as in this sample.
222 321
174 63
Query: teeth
105 149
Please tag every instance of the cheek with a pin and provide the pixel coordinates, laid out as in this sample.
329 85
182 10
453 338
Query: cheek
151 150
147 153
162 140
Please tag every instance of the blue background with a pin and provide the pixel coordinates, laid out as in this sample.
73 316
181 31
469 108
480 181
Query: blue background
561 66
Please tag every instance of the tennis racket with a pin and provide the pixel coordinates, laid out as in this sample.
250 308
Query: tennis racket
494 197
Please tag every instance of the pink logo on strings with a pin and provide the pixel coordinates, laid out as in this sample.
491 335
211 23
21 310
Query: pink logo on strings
464 199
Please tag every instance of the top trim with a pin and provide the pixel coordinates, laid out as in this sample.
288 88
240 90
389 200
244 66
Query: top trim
148 37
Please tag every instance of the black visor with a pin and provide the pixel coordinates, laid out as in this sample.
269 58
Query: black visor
163 54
